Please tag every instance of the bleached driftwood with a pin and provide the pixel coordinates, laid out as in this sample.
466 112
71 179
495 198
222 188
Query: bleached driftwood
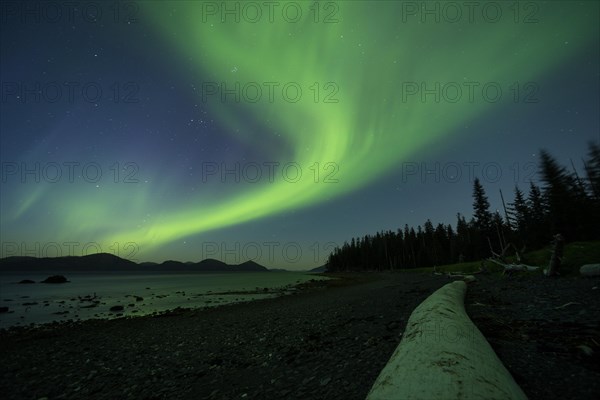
501 256
443 355
520 267
590 270
571 303
464 276
514 267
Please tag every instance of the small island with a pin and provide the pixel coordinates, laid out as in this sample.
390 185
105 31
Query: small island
55 279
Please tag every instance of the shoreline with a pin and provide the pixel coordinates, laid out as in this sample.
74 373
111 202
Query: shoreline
95 295
328 341
288 290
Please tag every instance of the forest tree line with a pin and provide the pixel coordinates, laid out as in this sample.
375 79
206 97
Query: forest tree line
566 203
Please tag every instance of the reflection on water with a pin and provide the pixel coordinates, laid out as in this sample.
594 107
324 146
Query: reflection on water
92 295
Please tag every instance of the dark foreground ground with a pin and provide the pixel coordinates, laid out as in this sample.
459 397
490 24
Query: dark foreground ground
330 341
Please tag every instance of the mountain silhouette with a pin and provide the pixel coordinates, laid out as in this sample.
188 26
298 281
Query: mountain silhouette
322 268
106 262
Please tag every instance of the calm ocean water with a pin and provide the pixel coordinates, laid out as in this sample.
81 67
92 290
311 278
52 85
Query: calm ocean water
91 295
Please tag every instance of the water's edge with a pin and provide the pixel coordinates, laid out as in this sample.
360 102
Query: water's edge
107 295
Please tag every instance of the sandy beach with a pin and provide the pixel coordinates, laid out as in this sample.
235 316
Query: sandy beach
328 341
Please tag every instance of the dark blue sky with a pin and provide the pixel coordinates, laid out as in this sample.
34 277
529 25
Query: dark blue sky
151 136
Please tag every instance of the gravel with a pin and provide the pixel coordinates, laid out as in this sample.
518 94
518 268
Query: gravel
330 340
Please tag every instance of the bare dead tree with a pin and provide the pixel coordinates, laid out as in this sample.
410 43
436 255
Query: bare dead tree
557 253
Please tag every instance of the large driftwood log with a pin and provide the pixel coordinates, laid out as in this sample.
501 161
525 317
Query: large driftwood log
461 275
590 270
444 356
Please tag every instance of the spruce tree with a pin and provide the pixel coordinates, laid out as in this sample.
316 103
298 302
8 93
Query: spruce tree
482 219
500 228
463 239
520 214
429 250
592 170
538 224
481 208
558 192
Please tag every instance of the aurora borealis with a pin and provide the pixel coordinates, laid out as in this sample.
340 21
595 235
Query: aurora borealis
384 86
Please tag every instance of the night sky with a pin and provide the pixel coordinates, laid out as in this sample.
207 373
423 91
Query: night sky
190 130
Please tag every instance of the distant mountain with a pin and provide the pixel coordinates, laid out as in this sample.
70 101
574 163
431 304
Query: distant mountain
105 262
172 265
147 263
248 266
322 268
210 264
93 262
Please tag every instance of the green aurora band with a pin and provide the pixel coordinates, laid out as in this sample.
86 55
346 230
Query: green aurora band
369 53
